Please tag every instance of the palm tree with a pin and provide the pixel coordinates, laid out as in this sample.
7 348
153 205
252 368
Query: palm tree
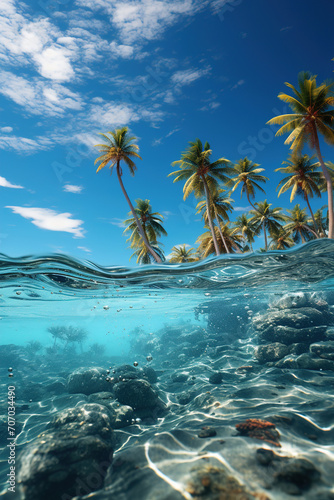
266 218
322 221
151 222
280 240
323 183
142 253
232 239
119 147
311 115
201 176
248 175
180 255
298 225
247 229
302 178
220 206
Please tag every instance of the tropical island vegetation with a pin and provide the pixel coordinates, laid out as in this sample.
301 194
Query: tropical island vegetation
214 182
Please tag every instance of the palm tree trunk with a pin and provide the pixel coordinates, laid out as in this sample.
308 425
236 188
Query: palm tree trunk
302 236
207 198
221 232
140 229
265 237
247 194
312 215
329 185
311 231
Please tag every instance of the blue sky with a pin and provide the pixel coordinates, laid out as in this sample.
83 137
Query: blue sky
170 70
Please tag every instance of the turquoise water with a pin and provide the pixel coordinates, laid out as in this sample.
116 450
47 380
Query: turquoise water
179 320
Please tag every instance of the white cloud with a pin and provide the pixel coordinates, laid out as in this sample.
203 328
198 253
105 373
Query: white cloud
84 249
6 130
238 84
185 77
123 51
70 188
7 184
112 114
54 64
38 96
242 209
115 221
138 21
24 144
46 218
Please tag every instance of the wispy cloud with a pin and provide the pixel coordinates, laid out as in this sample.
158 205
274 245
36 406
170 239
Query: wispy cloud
167 214
45 218
115 221
24 144
7 184
6 130
242 209
71 188
188 76
158 141
38 96
142 20
85 249
238 84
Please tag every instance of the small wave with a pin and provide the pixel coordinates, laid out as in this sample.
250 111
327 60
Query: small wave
310 263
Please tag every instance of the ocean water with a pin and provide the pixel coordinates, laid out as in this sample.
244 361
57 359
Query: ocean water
75 334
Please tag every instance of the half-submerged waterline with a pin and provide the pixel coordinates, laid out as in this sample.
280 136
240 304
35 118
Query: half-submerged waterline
205 381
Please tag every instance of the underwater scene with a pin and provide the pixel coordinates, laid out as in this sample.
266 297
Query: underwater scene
212 380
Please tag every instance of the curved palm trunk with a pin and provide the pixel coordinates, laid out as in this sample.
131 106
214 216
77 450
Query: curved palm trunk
312 215
207 198
140 229
311 231
302 236
329 185
220 232
247 194
265 236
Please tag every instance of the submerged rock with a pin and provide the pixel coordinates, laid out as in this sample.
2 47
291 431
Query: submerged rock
323 350
207 432
307 362
136 393
83 420
289 335
88 380
179 377
71 458
296 318
216 378
271 352
217 483
296 476
57 467
120 415
300 299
